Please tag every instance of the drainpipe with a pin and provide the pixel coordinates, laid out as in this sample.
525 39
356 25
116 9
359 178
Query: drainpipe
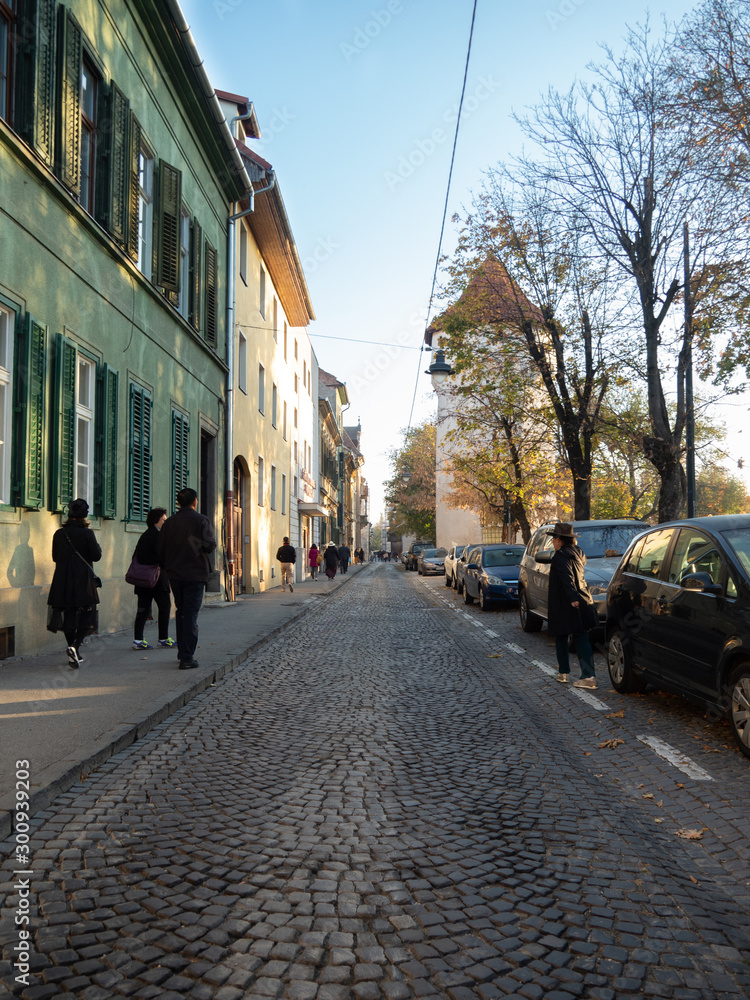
229 495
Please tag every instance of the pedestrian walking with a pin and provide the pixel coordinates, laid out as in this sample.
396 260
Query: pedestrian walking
345 554
571 608
331 560
314 559
73 593
186 541
287 556
361 555
147 554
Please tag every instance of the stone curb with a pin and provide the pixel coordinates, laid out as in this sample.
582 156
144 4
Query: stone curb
59 777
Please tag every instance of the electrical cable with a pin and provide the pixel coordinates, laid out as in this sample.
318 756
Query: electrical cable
445 207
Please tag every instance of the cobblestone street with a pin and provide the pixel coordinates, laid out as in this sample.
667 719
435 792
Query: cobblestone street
393 799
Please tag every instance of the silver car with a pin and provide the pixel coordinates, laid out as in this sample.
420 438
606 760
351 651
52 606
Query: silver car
454 554
431 562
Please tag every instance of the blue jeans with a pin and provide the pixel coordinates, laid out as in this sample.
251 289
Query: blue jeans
583 649
188 596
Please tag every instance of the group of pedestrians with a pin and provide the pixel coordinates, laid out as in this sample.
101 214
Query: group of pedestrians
180 545
330 559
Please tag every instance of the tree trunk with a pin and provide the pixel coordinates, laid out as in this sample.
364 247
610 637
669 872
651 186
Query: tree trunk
666 459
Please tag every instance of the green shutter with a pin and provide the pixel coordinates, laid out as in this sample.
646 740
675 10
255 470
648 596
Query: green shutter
35 80
30 393
112 161
168 227
180 454
196 251
211 294
69 67
139 486
106 473
133 194
64 423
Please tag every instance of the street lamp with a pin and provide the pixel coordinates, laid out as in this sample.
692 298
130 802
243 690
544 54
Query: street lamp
439 370
405 477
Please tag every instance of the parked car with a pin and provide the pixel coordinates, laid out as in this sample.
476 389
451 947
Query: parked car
412 556
603 543
678 615
492 574
460 568
454 553
431 562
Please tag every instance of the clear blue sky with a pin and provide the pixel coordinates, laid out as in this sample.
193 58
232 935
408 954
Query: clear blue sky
346 94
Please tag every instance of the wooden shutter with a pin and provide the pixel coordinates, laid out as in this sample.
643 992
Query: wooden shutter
196 260
35 81
112 161
168 227
106 472
139 487
70 62
211 296
133 193
180 454
64 423
30 392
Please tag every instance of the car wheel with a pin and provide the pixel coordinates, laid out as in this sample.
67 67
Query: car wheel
529 621
468 599
448 581
739 706
620 664
484 602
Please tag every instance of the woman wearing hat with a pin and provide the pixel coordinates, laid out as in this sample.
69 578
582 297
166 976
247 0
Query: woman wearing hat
570 606
73 594
331 560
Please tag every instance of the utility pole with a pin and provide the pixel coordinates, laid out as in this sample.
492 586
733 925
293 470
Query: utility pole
689 402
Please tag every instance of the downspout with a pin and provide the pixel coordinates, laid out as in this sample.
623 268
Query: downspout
231 284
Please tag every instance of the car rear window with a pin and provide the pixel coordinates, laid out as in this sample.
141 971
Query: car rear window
612 540
739 539
503 557
434 553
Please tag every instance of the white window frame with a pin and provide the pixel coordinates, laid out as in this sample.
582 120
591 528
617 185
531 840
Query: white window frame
145 210
261 389
283 494
262 292
242 363
273 487
85 426
286 418
261 483
7 345
274 405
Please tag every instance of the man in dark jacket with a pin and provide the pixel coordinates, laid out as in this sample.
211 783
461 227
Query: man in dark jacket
287 556
186 542
570 607
345 554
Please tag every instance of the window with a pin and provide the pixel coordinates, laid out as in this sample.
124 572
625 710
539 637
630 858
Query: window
285 421
7 31
275 315
84 437
273 487
294 494
274 406
182 306
304 373
296 351
309 458
286 334
296 387
145 210
7 334
295 451
243 251
295 417
180 454
261 388
139 444
283 493
304 453
262 294
694 553
242 363
651 555
261 495
89 96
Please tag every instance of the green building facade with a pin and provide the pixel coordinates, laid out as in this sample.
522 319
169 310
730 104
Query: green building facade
117 175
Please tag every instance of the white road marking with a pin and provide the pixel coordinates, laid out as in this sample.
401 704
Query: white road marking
673 756
512 646
545 667
490 633
591 699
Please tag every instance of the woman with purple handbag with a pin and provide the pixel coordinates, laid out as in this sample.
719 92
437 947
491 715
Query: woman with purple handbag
150 582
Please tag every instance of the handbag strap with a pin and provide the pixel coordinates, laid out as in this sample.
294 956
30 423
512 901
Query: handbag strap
70 543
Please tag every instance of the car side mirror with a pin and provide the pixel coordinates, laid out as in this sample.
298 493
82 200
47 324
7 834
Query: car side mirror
473 566
543 557
701 582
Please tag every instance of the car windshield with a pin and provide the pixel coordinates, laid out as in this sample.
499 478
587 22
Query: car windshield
459 550
600 541
503 557
434 553
739 539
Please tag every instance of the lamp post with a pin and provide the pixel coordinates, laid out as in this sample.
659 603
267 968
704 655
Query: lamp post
439 370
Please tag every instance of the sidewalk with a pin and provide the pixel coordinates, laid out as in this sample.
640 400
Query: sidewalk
66 722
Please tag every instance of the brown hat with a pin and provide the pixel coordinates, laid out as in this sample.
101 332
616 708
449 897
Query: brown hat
562 530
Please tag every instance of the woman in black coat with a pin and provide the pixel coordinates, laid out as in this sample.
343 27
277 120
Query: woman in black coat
147 554
331 560
73 594
570 608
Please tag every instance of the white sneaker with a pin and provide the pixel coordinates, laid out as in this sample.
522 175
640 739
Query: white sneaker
586 682
562 678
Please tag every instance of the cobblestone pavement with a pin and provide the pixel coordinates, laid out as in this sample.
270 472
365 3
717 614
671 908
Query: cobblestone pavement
395 800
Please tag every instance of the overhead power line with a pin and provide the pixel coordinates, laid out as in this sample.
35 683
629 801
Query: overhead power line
445 206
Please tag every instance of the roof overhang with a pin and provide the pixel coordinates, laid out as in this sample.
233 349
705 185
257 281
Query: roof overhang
312 509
